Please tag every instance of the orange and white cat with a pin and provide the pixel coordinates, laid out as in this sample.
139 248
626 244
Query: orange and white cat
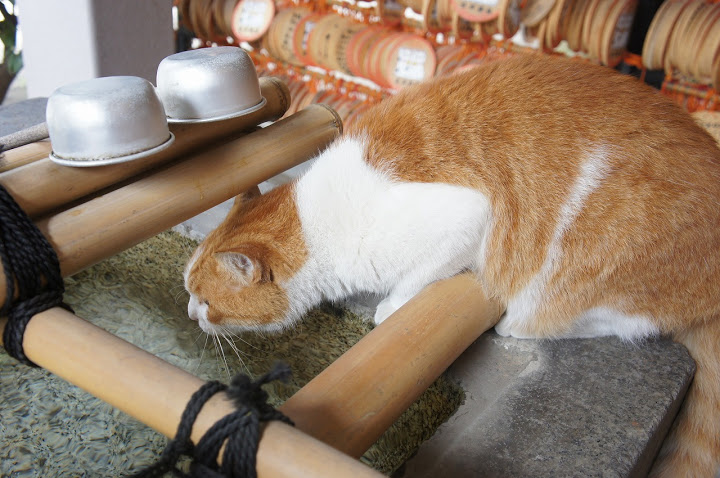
582 199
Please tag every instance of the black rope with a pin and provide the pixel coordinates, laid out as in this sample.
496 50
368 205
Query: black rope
32 272
240 428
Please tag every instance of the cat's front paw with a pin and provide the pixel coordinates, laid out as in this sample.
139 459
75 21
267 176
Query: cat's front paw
507 328
384 310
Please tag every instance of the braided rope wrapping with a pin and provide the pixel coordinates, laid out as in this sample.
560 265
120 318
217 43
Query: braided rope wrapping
241 430
31 268
34 284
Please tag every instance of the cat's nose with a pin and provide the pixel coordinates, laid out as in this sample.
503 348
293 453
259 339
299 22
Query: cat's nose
198 309
193 312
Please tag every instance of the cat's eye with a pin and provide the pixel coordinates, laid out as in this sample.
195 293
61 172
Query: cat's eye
206 302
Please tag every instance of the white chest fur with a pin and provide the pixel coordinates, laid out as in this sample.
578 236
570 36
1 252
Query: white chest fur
366 232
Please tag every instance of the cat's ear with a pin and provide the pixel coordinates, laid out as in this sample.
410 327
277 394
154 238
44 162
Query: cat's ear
242 198
238 265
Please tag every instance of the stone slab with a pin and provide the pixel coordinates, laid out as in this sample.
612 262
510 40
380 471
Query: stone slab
19 116
558 408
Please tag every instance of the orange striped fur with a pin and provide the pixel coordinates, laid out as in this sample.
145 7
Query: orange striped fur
644 241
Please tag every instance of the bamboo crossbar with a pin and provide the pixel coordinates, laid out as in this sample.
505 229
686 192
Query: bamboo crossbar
23 155
106 225
348 406
155 392
43 186
351 403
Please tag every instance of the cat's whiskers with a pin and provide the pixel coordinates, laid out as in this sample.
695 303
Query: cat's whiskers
237 353
218 345
202 354
229 336
175 287
237 336
199 336
262 333
179 294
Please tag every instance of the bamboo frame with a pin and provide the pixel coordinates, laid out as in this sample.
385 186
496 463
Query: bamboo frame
348 405
42 185
106 225
350 417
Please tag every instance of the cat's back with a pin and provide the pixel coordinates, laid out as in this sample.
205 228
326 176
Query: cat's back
527 106
586 169
533 85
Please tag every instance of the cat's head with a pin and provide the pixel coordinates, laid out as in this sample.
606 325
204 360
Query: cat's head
235 277
234 289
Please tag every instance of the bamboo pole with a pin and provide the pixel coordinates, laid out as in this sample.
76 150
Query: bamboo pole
23 155
352 402
43 186
108 224
347 406
155 392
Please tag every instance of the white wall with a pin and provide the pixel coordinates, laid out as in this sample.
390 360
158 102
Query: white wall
65 41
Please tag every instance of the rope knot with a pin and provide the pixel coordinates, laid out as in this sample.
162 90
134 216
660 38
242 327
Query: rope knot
247 393
32 273
239 430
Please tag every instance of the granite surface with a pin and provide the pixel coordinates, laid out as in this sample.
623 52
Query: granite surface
18 116
558 408
22 123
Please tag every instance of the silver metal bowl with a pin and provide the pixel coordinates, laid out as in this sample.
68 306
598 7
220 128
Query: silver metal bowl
208 84
106 120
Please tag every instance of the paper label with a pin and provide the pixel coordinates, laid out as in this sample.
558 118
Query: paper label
474 4
309 25
287 37
410 64
477 7
252 16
